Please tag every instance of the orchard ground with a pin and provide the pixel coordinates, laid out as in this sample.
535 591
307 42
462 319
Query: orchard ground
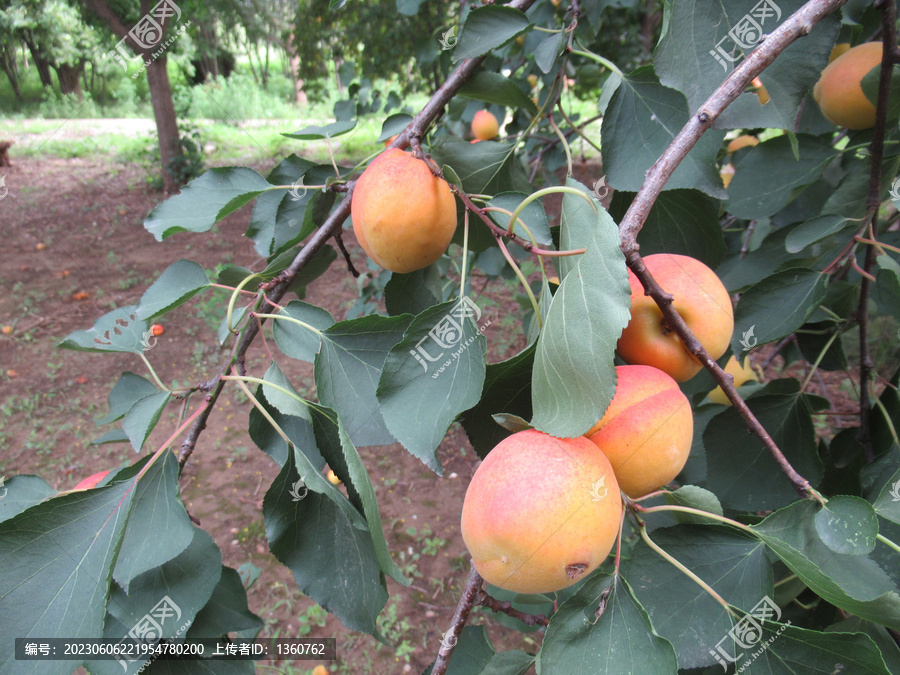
72 228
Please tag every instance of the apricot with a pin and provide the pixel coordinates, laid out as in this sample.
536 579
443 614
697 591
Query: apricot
388 142
485 126
839 92
403 216
91 481
761 91
745 141
646 431
541 512
741 375
533 80
700 299
157 329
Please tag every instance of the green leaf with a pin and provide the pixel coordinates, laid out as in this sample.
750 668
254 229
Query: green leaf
348 367
574 374
268 222
685 60
178 284
205 201
474 655
487 28
507 388
332 560
886 645
641 121
142 418
298 430
226 610
546 53
415 292
432 375
130 389
854 583
158 526
111 436
734 564
684 222
55 561
847 525
283 402
117 331
20 493
812 231
393 125
533 216
621 640
315 132
318 264
778 305
740 471
887 505
696 498
869 84
768 176
495 88
298 334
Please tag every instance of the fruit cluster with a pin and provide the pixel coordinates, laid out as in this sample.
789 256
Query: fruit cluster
542 512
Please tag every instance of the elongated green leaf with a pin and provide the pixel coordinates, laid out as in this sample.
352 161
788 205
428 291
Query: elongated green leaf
226 610
734 564
393 125
315 132
641 121
879 634
178 284
298 333
574 374
620 640
117 331
206 200
533 216
130 389
158 526
507 389
348 367
142 418
264 220
332 560
415 292
55 566
282 395
696 498
854 583
20 493
487 28
767 177
740 471
546 53
777 306
432 375
495 88
298 430
812 231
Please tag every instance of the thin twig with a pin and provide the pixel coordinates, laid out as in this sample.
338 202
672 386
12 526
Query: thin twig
795 26
339 238
505 607
463 608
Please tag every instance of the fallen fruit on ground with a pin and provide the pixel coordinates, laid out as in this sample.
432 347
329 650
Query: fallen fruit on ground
7 330
647 430
839 90
741 375
91 481
485 126
700 299
541 512
403 216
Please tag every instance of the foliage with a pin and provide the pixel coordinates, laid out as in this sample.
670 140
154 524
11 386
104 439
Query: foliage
809 580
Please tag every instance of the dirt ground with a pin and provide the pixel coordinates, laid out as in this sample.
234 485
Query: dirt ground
74 248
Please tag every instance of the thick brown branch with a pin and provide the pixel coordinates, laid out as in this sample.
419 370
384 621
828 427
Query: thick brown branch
505 607
797 25
873 202
463 608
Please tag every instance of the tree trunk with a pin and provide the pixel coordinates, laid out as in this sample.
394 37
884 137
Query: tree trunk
68 80
166 121
8 63
294 58
41 62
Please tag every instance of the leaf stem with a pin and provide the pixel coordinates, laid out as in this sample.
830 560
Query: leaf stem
152 372
887 542
522 280
465 256
288 318
696 512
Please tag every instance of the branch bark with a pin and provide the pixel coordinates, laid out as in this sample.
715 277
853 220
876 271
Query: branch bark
463 608
795 26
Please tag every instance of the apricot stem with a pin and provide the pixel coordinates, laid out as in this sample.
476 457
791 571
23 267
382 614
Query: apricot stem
260 407
697 580
231 301
565 144
562 189
887 542
696 512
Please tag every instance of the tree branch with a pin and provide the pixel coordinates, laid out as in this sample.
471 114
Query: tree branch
795 26
463 608
505 607
873 202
